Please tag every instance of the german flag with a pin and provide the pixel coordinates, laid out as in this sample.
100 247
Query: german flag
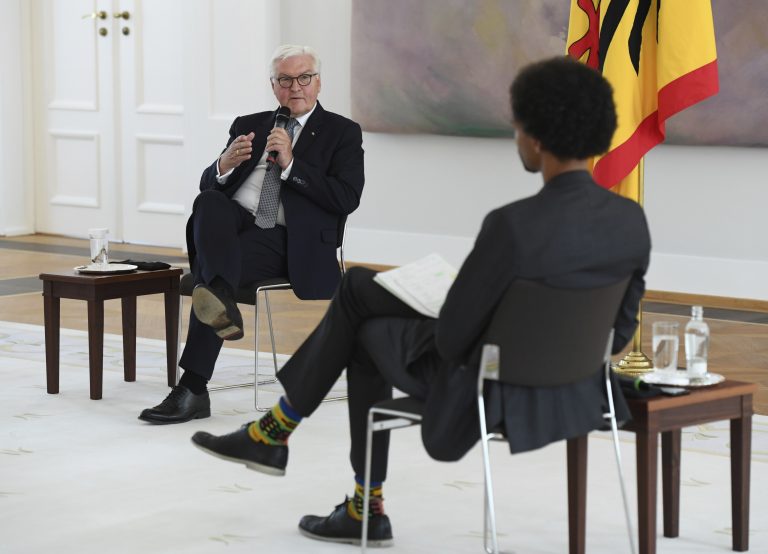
660 58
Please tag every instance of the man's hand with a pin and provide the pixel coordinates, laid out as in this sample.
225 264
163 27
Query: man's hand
236 153
279 141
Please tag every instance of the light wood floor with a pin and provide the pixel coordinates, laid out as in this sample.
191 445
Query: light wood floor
739 348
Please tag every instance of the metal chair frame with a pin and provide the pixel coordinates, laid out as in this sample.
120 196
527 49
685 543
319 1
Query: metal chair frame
270 285
400 419
489 370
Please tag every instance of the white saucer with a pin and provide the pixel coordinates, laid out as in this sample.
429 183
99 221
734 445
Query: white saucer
110 269
680 379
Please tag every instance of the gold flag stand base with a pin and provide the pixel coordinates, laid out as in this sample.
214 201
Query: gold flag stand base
634 363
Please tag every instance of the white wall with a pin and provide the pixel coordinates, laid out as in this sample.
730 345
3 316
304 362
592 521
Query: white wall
16 184
706 209
428 193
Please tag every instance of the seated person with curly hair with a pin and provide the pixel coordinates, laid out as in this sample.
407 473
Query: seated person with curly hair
572 233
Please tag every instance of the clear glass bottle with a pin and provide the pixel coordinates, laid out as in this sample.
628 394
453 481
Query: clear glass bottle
696 343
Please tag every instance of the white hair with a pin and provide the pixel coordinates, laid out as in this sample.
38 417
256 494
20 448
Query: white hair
289 51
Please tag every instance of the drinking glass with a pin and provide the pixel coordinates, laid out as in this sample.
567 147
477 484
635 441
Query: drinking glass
665 345
99 247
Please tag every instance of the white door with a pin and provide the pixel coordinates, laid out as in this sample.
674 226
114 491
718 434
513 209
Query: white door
75 107
134 101
110 85
152 99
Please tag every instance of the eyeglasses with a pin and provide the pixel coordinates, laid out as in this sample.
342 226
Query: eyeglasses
304 79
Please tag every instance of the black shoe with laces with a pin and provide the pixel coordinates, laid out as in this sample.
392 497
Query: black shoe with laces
239 447
179 406
339 526
217 308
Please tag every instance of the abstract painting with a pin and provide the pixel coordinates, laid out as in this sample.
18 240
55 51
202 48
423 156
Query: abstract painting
444 67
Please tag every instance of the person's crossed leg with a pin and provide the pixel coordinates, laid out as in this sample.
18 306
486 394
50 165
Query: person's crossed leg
381 342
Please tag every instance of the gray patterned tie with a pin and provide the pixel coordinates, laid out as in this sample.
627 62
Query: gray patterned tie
266 213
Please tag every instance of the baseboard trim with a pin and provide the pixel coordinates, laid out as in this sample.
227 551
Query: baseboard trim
16 231
709 301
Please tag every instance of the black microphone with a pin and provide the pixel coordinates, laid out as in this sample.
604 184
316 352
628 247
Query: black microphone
281 120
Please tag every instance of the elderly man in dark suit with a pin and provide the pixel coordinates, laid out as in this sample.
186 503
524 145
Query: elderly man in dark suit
269 206
572 233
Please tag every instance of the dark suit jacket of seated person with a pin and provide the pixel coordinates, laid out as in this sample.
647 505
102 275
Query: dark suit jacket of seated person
572 234
325 183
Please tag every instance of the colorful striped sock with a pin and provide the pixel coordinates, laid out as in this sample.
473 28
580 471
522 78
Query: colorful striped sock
276 425
375 503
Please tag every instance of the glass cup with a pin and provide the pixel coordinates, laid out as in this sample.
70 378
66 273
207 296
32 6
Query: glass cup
99 247
665 345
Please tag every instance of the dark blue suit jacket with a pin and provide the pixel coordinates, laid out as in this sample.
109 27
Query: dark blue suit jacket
324 186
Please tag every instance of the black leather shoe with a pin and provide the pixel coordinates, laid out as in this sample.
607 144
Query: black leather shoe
217 309
240 448
340 527
179 406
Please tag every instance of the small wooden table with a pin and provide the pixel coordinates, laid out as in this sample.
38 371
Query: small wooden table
95 289
668 415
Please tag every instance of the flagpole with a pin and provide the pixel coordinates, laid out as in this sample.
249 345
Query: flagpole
637 363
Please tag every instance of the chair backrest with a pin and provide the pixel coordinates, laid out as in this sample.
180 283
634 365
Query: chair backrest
552 336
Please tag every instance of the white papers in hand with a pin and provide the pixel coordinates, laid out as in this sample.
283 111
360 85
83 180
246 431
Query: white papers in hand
422 284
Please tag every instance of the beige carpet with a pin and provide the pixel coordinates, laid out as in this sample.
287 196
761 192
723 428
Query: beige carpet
85 476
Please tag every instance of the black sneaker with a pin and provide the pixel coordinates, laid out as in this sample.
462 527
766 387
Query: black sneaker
341 527
179 406
240 448
217 309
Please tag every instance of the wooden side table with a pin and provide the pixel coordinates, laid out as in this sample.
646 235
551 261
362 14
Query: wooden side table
668 415
95 289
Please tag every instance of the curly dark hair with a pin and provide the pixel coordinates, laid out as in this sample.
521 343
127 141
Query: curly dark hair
565 105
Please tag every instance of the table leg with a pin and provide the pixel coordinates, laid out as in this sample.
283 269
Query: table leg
670 481
96 346
52 313
172 333
647 447
577 494
741 449
129 337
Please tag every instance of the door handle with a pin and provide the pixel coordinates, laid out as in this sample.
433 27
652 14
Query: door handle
124 15
96 15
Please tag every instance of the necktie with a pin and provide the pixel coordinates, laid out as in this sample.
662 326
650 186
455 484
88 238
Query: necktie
266 213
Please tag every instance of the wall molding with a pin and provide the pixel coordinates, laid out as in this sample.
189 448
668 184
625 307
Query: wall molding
724 302
16 231
160 109
73 105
